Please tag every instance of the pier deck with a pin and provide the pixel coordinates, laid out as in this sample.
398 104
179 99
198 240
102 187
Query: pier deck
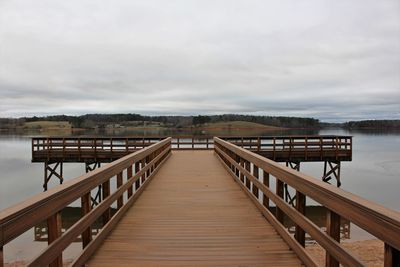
193 213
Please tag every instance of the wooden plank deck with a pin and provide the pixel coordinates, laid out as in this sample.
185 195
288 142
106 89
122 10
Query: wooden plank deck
193 214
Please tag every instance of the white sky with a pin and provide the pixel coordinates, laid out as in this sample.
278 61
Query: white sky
332 60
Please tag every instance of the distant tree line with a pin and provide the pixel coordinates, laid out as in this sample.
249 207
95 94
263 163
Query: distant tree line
102 120
373 124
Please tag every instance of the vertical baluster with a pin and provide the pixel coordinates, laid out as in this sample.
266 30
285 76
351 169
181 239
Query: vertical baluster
142 165
333 230
106 193
129 174
255 174
247 166
137 169
54 232
241 173
120 200
392 256
1 257
300 235
266 183
85 209
279 192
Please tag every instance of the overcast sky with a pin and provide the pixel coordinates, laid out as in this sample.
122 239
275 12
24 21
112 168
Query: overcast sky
332 60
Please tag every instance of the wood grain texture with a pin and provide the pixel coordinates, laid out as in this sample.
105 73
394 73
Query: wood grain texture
193 213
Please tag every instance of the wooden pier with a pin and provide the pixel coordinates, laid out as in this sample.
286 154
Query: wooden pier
198 208
93 151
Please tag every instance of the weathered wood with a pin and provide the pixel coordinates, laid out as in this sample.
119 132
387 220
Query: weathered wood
54 231
86 207
300 235
333 230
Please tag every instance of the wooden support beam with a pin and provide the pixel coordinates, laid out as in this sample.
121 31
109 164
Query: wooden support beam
85 209
333 230
54 232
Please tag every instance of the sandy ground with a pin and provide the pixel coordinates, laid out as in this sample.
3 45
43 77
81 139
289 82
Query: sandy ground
370 252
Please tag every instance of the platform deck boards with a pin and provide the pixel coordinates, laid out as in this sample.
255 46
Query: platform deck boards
193 214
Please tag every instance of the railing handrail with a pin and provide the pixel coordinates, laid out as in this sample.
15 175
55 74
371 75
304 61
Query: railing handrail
13 220
376 219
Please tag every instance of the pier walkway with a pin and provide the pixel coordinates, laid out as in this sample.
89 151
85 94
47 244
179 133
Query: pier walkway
226 206
193 214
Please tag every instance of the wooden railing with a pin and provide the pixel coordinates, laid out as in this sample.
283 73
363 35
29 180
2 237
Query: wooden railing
301 146
109 148
137 168
248 168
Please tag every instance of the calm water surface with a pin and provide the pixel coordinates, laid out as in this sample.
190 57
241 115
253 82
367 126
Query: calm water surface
373 174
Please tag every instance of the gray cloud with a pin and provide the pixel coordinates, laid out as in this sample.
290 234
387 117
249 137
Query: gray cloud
334 60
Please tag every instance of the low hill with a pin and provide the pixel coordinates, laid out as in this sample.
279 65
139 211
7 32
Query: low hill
238 125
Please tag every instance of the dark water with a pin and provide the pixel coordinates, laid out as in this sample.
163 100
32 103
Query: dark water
373 174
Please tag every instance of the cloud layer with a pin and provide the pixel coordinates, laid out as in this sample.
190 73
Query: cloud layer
333 60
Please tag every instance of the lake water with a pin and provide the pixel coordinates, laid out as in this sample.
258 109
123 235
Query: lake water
373 173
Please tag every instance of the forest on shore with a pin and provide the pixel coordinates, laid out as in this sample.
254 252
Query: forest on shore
90 121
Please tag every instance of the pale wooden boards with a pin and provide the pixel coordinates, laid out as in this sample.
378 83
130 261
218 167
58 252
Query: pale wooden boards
193 214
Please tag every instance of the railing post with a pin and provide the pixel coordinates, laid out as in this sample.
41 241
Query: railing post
392 256
85 209
54 232
120 200
106 193
255 174
300 235
247 166
279 191
333 230
266 183
129 174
